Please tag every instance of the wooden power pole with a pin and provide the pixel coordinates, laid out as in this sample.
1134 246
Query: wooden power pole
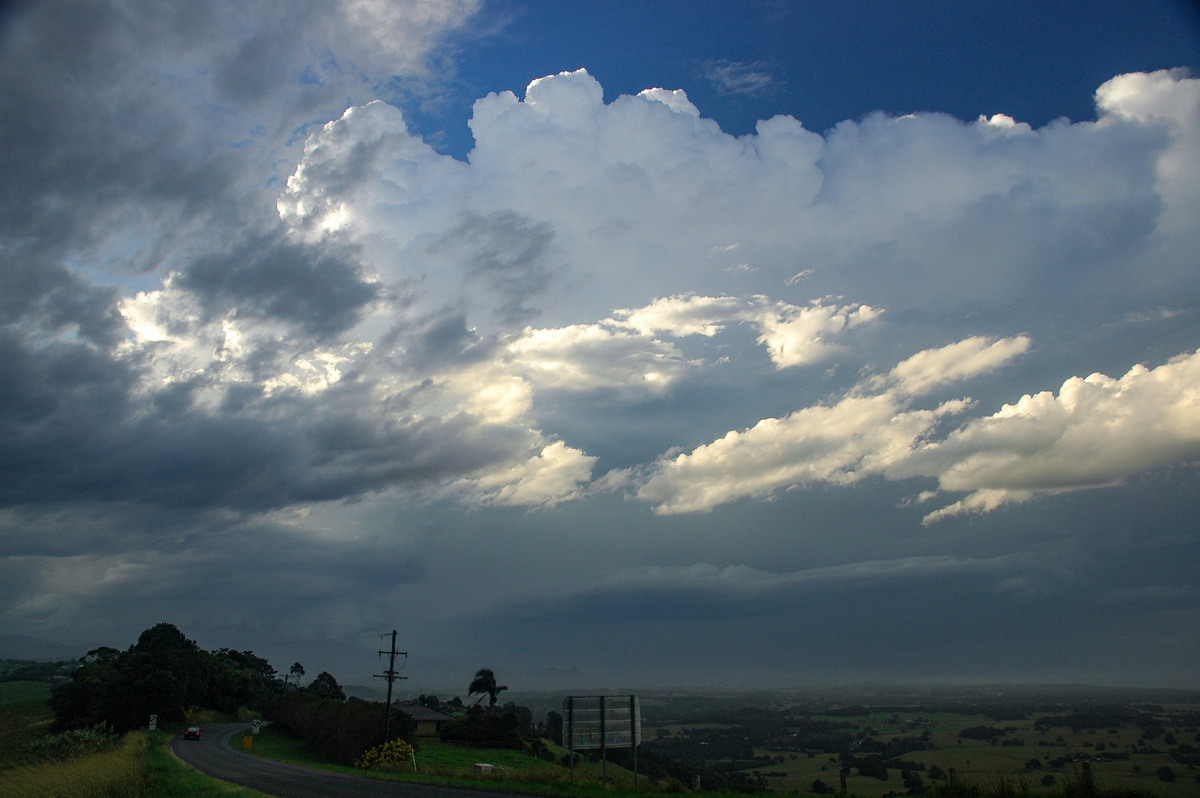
391 676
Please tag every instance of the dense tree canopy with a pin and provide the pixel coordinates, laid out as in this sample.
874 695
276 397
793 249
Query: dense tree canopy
162 674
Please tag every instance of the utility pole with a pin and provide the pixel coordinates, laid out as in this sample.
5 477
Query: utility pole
391 676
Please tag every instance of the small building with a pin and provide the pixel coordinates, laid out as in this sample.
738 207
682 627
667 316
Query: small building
429 720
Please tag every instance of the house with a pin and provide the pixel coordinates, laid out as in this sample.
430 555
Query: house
429 720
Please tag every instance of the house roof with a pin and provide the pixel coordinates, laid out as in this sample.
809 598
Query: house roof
421 712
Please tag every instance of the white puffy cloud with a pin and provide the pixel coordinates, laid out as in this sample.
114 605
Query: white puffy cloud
793 335
1096 431
570 207
933 367
1165 99
552 475
840 443
589 357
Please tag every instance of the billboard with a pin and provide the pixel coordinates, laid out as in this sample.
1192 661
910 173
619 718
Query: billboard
603 721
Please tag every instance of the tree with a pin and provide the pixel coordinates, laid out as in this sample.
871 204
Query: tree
554 726
241 678
296 670
327 687
160 674
483 726
523 717
484 683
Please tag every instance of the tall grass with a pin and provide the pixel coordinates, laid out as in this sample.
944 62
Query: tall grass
118 773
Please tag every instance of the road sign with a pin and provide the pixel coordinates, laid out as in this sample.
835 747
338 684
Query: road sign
153 722
604 721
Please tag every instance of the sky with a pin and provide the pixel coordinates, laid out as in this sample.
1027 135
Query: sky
667 344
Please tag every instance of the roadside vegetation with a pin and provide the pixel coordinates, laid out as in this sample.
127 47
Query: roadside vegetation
89 763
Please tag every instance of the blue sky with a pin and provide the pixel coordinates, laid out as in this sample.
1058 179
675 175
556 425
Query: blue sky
826 62
676 343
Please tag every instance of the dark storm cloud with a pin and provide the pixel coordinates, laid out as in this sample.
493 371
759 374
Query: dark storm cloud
443 339
261 64
128 137
316 287
200 555
707 592
44 296
509 254
90 446
92 138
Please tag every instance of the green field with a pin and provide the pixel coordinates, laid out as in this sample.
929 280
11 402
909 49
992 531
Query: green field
1116 756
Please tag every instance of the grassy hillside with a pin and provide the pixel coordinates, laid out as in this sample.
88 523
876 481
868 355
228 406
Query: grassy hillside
24 717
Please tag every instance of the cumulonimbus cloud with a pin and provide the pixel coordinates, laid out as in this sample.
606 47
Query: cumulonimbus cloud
589 247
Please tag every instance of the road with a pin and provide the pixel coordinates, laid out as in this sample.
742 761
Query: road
213 755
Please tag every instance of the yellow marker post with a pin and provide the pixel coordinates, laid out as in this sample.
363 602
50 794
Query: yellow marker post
247 742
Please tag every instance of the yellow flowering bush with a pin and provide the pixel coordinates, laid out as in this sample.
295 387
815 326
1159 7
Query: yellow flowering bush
386 756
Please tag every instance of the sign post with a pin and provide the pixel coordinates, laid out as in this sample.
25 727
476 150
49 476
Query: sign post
153 722
602 722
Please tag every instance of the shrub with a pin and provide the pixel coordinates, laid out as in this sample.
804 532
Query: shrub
74 743
341 730
481 726
392 755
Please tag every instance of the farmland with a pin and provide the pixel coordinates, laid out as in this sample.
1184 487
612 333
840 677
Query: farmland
896 742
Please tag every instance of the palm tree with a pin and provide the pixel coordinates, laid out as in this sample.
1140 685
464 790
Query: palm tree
296 670
485 683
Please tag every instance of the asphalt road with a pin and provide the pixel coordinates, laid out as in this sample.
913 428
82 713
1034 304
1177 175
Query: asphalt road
213 755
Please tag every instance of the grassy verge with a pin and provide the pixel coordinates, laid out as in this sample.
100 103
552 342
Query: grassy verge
454 765
171 777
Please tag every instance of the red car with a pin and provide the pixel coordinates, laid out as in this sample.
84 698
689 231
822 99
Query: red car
192 733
